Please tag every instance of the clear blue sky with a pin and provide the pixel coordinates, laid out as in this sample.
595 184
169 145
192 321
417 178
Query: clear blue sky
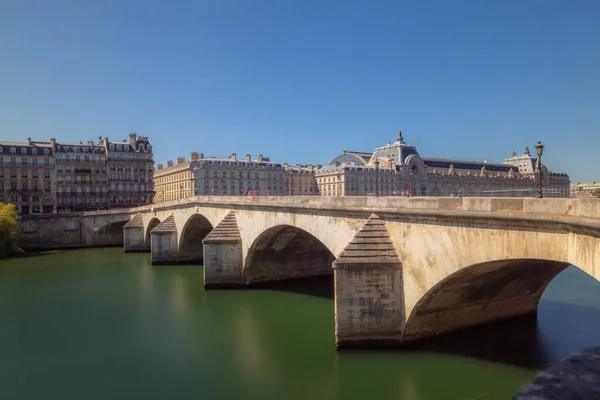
300 80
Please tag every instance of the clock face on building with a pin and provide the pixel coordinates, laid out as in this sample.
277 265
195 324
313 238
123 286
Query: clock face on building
413 168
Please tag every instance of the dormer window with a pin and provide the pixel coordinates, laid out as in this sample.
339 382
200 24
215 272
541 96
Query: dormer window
13 150
112 146
23 150
1 150
33 151
119 147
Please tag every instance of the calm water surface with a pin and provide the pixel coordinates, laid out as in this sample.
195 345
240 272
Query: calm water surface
101 324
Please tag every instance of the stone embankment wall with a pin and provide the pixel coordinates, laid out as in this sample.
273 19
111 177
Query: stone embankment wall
70 230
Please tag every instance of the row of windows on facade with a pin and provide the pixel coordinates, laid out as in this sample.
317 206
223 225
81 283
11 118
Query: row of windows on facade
25 186
103 200
25 198
34 151
25 173
126 147
257 184
24 161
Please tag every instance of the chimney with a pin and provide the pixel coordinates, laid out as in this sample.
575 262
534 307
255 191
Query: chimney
310 167
260 158
193 156
248 158
91 143
201 156
299 166
180 160
159 167
29 141
319 166
53 142
233 157
285 165
132 138
169 163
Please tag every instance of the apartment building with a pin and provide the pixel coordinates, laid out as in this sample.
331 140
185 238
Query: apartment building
130 177
81 176
27 176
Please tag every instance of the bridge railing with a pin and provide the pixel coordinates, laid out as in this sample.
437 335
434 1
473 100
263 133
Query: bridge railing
577 207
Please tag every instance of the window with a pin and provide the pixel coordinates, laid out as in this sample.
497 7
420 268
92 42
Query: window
23 150
24 173
13 150
23 161
46 151
35 173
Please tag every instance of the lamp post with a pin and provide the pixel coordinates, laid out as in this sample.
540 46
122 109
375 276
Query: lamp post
376 163
539 149
239 176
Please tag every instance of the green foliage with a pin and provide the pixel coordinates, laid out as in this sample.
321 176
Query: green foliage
8 219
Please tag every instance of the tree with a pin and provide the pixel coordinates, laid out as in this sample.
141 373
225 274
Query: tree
8 219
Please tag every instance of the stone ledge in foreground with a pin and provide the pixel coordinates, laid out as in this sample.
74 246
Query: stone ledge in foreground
575 377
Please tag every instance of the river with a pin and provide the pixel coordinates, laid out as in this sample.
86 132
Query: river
101 324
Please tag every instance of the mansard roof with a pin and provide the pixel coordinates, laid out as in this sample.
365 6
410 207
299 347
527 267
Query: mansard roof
19 146
464 164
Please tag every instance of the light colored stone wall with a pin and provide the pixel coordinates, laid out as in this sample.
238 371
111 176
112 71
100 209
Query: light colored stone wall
133 239
164 247
223 264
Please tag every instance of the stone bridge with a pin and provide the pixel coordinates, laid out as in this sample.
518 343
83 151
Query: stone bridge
404 268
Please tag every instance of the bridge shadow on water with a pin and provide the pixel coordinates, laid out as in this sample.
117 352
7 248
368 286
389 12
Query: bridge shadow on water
531 341
319 286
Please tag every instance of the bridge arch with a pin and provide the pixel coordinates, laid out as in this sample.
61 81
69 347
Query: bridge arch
286 252
110 234
151 225
196 228
482 293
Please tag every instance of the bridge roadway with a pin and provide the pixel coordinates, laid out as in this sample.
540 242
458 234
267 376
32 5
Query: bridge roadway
404 268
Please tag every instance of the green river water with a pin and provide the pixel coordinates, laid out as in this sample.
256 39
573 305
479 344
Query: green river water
101 324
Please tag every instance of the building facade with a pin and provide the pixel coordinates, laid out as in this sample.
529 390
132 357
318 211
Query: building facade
585 189
200 176
130 172
50 177
27 176
397 169
81 176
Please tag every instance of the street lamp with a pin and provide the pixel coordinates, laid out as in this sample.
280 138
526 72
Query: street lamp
539 149
376 163
239 176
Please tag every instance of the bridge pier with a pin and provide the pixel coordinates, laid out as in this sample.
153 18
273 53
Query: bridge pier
223 260
133 235
164 242
369 300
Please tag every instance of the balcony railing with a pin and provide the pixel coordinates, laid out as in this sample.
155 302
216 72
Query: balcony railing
20 164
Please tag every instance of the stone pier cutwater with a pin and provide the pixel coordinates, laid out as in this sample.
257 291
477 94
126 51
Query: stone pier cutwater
369 303
223 261
164 242
134 235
